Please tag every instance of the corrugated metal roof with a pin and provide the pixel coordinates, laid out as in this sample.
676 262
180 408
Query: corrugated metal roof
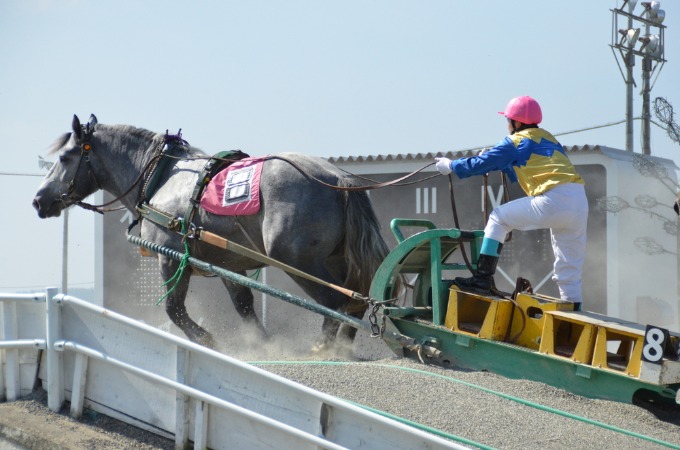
430 155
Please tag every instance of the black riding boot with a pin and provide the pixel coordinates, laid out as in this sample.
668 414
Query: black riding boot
483 276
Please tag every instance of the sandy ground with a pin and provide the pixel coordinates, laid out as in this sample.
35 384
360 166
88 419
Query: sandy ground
29 424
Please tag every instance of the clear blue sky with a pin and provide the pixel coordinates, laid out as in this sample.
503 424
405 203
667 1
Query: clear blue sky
327 78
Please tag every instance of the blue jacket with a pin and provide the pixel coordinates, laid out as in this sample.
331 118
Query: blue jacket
533 157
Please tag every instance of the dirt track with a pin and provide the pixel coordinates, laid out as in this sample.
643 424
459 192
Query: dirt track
29 424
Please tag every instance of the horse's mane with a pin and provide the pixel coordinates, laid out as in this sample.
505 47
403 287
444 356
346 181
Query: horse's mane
140 133
58 143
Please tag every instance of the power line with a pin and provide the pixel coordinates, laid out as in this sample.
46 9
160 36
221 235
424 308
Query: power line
606 125
43 286
592 128
580 130
42 175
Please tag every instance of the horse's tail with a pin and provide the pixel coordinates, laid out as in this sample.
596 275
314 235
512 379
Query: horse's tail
365 248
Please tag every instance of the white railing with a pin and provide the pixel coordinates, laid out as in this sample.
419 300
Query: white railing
25 312
122 368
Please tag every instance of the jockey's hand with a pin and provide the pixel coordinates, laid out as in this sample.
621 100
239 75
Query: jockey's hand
482 151
443 165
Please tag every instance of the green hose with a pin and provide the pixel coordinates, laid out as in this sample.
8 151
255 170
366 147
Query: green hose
422 427
489 391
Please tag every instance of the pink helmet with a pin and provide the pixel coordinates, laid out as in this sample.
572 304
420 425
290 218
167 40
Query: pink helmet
523 109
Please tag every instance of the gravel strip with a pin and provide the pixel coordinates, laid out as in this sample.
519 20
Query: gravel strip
482 417
457 409
370 375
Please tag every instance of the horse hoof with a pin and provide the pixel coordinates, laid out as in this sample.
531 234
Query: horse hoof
207 341
321 345
316 349
333 349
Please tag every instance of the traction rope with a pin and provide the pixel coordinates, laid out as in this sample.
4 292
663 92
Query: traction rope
180 270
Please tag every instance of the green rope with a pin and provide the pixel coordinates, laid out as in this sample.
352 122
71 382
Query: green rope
184 262
255 275
180 270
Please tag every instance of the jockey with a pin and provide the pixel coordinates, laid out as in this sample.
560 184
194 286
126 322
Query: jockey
555 199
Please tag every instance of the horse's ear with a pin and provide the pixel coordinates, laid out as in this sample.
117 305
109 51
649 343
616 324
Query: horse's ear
76 126
93 120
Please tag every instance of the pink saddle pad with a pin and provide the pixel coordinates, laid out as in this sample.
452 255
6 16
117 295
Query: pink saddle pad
235 191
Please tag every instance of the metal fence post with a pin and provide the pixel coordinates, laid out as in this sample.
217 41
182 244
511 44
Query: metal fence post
2 375
10 332
55 373
182 401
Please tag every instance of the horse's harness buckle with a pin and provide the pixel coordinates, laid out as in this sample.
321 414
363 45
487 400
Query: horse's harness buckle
193 232
187 230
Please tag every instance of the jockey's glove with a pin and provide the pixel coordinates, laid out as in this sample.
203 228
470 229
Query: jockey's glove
443 165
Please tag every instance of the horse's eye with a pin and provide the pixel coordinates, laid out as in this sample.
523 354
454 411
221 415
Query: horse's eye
63 158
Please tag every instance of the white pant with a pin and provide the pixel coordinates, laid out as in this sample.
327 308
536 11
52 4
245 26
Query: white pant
563 209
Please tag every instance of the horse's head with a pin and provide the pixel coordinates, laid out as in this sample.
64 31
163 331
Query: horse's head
71 178
676 205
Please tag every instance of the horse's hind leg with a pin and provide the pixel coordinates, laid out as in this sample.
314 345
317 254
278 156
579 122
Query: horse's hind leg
176 308
306 253
331 299
335 336
242 298
329 330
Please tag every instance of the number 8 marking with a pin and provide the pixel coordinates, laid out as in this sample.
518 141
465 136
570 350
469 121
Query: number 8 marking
653 349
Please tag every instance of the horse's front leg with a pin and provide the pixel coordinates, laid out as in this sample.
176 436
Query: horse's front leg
175 307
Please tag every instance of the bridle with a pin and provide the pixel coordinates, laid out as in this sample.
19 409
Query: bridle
85 149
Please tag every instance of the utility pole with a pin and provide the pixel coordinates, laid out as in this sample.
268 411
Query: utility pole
630 82
652 52
64 255
42 164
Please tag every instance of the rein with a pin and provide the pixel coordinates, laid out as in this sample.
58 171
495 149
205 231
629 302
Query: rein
506 198
454 209
101 208
376 185
522 285
154 168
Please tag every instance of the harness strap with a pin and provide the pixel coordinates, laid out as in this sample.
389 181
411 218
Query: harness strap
159 217
172 223
211 168
157 170
158 166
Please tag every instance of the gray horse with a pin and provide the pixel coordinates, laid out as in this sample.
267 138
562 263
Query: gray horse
331 234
